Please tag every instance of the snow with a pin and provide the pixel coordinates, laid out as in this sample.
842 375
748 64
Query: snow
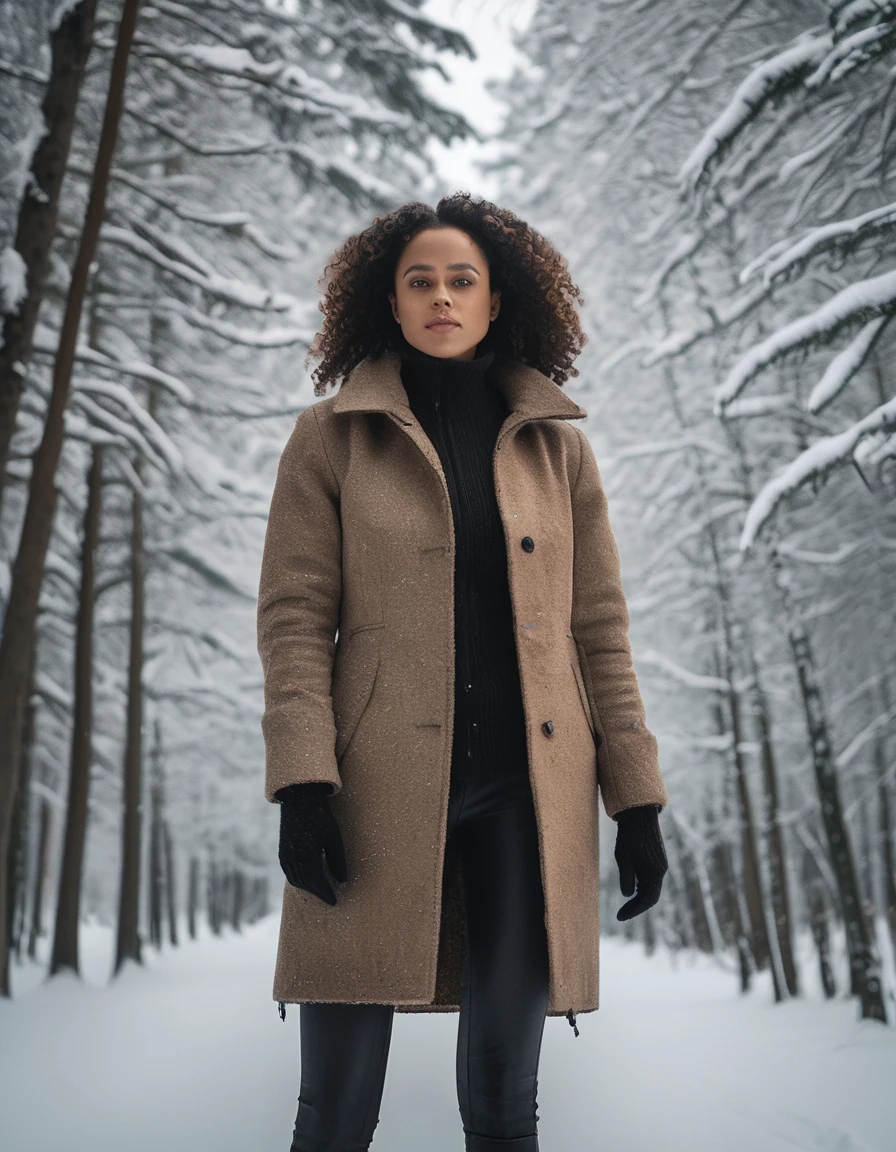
13 280
849 53
784 254
845 365
288 78
856 300
818 459
748 406
60 12
230 289
751 94
189 1053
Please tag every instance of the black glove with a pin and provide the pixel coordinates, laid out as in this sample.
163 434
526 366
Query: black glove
640 853
307 828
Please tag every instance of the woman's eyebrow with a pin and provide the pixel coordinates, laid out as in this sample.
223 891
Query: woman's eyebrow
431 268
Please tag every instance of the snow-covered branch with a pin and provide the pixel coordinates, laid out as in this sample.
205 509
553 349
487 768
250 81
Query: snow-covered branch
861 301
814 463
770 78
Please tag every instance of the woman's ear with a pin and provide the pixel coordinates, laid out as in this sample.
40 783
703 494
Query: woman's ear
496 304
394 303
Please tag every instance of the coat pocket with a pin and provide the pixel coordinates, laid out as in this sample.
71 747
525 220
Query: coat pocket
580 684
355 668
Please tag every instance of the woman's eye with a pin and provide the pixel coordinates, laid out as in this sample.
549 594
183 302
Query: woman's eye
465 280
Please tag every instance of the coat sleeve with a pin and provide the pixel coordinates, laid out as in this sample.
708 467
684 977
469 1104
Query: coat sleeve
299 598
627 755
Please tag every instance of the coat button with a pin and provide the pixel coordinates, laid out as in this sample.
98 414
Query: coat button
548 727
528 544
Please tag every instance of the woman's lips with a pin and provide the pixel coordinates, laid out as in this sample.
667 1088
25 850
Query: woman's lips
442 326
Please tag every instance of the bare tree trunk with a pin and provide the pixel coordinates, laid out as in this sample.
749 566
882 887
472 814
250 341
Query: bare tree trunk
40 876
156 879
18 841
776 856
28 568
864 963
735 894
757 937
128 946
238 898
817 905
170 889
888 863
193 897
695 895
213 898
70 46
676 879
68 903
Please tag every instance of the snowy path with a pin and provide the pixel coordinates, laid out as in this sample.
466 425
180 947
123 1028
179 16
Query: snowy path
191 1056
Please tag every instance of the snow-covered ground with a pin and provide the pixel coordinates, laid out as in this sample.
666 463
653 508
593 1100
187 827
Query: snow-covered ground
190 1055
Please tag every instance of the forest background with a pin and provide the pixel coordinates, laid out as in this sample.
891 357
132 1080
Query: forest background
173 179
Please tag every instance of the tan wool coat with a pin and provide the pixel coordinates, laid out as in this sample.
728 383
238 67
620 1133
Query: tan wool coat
356 638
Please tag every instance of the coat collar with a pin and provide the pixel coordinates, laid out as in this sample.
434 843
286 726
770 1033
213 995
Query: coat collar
375 385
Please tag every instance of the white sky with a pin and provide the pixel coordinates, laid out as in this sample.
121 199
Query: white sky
490 26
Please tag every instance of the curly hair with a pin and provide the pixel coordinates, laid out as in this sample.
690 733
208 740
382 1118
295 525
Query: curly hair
537 324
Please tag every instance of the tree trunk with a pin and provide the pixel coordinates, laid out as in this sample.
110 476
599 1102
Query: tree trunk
888 863
193 897
70 46
674 878
128 946
237 898
156 879
753 922
28 567
864 963
40 877
18 840
170 890
214 899
818 914
68 903
779 892
738 918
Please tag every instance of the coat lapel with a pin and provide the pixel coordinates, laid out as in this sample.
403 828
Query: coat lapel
375 385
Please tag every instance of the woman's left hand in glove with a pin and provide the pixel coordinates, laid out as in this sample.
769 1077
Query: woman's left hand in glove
640 854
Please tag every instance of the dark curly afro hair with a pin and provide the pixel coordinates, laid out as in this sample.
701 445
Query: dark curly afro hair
538 323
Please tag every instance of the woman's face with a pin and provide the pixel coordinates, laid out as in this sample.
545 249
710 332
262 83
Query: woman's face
443 274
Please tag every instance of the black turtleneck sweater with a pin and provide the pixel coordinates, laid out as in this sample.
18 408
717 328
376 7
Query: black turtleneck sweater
461 411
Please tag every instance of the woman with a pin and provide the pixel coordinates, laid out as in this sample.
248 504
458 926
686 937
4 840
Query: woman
448 677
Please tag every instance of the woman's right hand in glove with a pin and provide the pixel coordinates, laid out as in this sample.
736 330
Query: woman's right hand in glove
307 829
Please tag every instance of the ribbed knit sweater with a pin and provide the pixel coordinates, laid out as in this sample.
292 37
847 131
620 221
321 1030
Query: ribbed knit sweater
461 411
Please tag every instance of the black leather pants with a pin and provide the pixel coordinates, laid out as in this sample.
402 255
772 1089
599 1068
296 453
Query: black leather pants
345 1047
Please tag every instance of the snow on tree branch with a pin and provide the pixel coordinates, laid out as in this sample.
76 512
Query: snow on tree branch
153 435
860 301
814 463
225 288
681 675
859 48
845 365
267 338
46 342
842 235
13 281
148 446
769 79
311 94
680 341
